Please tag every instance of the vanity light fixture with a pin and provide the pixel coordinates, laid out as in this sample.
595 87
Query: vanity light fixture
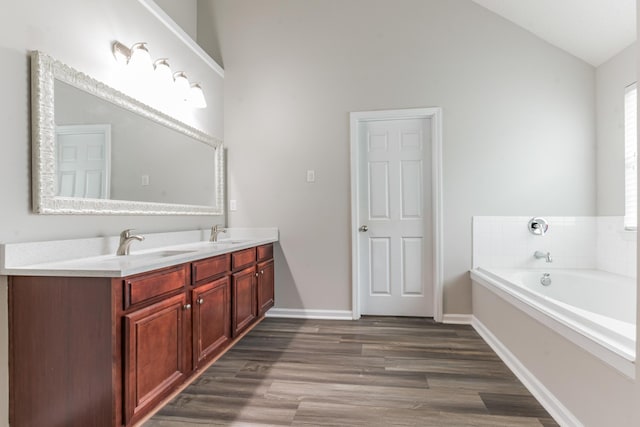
196 96
138 58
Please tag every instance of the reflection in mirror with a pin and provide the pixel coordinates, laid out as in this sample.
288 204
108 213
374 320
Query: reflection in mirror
95 150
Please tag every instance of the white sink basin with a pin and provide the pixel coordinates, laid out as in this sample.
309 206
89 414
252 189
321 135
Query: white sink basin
220 244
230 241
158 254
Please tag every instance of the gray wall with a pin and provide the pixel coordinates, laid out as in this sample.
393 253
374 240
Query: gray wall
519 132
611 79
184 13
79 33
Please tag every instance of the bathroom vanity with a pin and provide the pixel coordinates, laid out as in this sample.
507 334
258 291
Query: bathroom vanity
92 344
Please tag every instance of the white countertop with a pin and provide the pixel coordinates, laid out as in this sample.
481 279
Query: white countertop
96 257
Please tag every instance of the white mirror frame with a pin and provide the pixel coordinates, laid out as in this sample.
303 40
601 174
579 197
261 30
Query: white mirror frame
44 71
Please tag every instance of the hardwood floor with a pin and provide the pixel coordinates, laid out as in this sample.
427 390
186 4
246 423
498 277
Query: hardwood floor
377 371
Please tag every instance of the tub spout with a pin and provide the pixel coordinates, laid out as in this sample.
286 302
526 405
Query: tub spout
541 255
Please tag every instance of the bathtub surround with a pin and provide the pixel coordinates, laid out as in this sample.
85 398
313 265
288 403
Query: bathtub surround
576 387
598 243
616 248
594 310
567 350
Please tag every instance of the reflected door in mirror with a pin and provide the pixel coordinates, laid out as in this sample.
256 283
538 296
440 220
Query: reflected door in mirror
84 163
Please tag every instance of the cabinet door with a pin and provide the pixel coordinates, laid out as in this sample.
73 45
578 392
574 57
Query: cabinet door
265 286
211 319
154 362
243 299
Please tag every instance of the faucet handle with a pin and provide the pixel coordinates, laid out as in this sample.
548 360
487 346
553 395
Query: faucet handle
126 233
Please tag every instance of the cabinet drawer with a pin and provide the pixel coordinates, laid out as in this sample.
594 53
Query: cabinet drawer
209 268
243 258
265 252
147 286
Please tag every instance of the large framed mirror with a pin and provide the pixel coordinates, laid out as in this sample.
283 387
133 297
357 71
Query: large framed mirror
98 151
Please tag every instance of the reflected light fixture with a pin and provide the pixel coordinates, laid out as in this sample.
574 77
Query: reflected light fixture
196 96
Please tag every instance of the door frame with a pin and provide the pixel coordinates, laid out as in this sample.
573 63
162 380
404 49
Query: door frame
435 115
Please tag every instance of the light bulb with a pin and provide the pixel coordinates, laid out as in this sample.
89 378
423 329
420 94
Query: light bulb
140 59
162 72
182 86
196 96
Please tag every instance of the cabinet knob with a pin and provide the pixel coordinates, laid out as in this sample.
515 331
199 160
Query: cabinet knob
256 274
200 300
261 271
187 306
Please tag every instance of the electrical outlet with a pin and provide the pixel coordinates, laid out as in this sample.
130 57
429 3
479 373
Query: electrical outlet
233 206
144 180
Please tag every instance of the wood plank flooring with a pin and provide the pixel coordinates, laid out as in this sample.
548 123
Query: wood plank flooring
378 371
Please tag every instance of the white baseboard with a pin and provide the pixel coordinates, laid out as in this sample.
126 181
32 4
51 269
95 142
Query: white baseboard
295 313
556 409
457 319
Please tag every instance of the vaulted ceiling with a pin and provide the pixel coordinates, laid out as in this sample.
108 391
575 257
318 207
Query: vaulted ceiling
593 30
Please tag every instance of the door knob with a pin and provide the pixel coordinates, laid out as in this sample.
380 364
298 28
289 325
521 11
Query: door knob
363 229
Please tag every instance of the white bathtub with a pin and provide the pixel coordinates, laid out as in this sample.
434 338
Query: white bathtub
594 309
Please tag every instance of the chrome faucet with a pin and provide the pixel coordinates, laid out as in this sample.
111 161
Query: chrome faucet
215 230
541 255
126 238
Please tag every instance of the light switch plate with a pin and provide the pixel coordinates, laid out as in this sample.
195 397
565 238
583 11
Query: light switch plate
311 175
233 205
144 180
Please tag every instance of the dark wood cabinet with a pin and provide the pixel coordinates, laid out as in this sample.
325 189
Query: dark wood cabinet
154 349
105 352
211 319
62 334
265 285
243 285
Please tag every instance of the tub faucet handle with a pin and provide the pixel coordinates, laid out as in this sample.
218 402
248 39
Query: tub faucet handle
545 280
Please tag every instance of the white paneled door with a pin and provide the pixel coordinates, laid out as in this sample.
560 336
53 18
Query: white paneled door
395 229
